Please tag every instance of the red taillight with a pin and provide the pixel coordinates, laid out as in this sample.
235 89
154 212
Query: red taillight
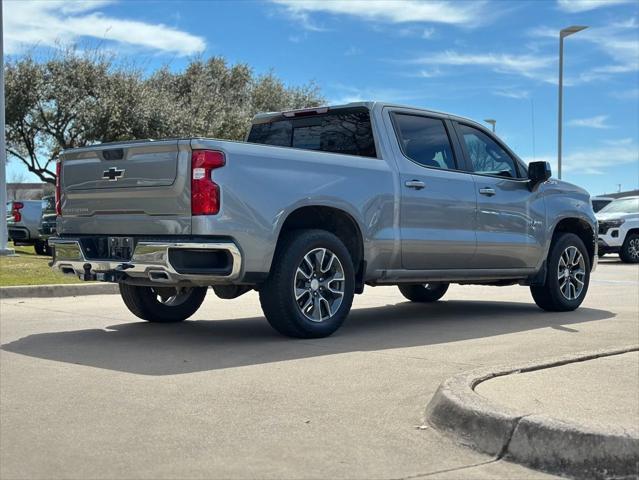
15 211
58 199
205 193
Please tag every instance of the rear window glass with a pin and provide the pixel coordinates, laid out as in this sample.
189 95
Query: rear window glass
345 131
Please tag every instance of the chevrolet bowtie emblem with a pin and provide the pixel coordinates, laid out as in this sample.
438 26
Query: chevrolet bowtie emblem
113 174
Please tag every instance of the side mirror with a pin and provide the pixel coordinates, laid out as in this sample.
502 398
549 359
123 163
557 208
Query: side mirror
538 172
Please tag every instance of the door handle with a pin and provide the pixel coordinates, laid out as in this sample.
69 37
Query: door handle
489 192
416 184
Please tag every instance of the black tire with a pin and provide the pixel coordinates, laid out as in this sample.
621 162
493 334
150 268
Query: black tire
278 293
40 247
424 293
629 252
549 296
143 302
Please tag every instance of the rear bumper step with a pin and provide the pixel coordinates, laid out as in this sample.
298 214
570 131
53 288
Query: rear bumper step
197 263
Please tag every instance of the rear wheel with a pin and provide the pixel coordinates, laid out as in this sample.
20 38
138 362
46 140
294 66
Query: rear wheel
629 252
41 247
425 292
162 304
567 277
311 286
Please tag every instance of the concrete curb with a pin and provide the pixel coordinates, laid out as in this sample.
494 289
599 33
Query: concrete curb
537 441
46 291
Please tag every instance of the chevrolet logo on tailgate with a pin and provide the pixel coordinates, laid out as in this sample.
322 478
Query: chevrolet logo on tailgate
113 174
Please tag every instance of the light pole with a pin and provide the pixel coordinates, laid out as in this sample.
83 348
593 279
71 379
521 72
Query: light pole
3 155
563 33
492 122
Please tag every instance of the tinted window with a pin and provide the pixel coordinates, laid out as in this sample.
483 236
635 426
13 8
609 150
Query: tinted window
345 130
599 204
486 155
424 140
273 133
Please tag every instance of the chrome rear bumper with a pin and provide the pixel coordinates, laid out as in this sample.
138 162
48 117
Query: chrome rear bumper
149 261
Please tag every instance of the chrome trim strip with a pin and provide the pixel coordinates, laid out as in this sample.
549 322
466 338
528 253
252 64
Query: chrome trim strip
148 258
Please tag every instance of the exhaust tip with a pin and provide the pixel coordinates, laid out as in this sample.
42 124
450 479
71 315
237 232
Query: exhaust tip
158 276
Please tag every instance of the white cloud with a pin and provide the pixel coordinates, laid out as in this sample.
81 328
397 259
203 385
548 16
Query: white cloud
529 66
626 23
347 94
631 94
596 161
429 73
618 40
352 51
428 32
574 6
512 93
393 11
598 121
413 31
46 23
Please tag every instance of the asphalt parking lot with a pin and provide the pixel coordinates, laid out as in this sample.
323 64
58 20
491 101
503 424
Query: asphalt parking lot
87 391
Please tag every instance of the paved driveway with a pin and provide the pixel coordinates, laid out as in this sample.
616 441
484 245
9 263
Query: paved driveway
87 391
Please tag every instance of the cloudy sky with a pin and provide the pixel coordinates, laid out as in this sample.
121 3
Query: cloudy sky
482 59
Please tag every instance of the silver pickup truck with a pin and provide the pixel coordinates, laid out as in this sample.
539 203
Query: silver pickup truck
316 204
23 224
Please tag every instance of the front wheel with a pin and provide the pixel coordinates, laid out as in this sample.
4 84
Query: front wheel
567 276
311 286
629 252
424 293
162 304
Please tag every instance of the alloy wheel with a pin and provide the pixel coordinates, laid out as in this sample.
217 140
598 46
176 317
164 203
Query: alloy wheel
633 248
319 285
571 273
171 296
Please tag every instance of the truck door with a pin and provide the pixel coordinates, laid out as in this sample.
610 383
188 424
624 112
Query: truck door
510 218
438 201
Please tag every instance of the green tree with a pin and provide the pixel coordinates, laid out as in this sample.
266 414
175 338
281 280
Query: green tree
213 99
76 98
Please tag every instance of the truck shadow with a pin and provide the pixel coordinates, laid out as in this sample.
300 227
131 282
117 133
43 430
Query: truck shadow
202 345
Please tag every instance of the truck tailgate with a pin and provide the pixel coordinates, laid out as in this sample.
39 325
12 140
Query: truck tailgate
140 187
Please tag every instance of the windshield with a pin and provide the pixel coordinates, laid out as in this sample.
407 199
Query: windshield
624 205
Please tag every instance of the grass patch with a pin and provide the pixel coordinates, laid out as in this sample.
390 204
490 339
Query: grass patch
27 268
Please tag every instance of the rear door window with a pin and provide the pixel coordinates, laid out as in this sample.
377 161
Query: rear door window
344 130
424 140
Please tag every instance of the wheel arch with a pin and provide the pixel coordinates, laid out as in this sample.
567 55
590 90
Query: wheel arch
335 220
634 230
582 229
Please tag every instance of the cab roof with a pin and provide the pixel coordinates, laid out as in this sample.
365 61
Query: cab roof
265 117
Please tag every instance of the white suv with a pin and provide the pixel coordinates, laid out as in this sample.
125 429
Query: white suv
619 229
